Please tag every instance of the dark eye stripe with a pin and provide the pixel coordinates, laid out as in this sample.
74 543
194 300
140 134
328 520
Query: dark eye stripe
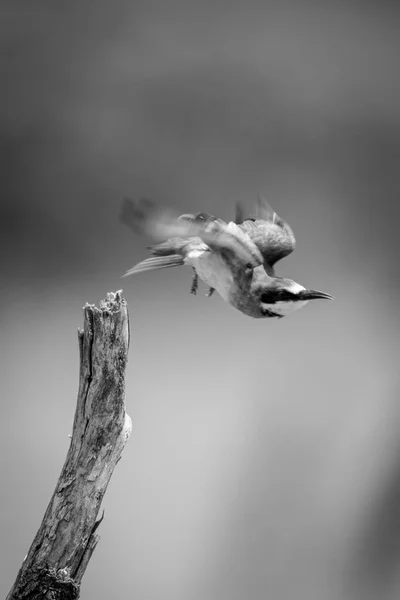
273 296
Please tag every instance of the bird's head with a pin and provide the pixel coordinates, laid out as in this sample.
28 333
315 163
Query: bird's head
280 297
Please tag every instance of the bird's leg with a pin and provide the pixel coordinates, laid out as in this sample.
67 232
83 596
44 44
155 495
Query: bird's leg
210 292
195 282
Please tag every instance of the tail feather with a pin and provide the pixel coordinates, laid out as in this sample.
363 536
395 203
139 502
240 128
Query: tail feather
171 246
156 262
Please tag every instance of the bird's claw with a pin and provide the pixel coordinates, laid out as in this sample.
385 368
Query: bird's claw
210 292
195 284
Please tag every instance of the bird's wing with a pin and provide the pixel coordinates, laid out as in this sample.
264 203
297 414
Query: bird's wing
268 231
160 223
200 217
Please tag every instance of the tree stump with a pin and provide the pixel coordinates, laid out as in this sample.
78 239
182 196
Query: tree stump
58 557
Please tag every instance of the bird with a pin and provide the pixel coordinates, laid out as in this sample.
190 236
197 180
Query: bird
235 258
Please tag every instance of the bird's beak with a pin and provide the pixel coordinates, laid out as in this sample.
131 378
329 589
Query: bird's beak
314 295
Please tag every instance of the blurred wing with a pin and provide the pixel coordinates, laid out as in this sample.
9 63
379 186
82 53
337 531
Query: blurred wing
271 234
160 223
200 217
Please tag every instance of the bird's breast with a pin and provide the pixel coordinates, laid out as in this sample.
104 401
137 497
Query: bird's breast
212 269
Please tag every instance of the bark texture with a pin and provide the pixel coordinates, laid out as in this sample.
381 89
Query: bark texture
57 559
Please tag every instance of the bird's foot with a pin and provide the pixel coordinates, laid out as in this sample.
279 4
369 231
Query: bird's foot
210 292
195 283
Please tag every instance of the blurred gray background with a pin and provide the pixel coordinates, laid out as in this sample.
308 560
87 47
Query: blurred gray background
265 455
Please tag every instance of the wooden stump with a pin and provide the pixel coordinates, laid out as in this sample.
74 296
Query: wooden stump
61 550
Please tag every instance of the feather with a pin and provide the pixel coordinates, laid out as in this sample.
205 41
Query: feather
269 232
146 217
239 214
200 217
156 262
265 211
171 246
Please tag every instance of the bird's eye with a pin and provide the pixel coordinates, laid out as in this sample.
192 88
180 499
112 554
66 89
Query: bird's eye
267 298
286 295
248 266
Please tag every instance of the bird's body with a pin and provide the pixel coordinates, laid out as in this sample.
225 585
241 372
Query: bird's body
212 269
236 259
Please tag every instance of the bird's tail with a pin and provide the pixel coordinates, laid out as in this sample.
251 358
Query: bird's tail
156 262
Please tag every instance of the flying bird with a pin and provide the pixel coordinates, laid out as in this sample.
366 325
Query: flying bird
236 259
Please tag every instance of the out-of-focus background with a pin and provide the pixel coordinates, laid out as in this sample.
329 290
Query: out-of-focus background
265 457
